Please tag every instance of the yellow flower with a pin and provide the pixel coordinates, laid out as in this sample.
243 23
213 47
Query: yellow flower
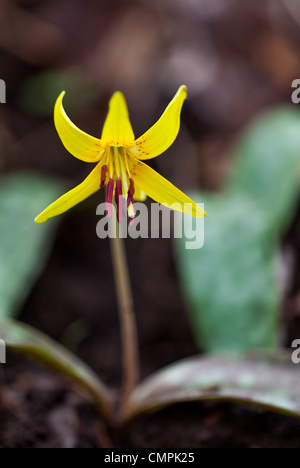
119 159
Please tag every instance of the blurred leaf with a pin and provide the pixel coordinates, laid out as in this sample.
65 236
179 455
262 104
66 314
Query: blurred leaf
27 340
41 90
271 382
232 285
267 165
24 245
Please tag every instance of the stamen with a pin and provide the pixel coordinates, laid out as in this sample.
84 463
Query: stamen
131 191
116 161
111 162
119 199
127 164
131 213
109 197
124 176
103 175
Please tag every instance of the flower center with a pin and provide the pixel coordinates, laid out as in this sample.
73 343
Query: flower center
115 173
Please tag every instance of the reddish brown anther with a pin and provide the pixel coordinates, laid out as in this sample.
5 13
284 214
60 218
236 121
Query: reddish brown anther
131 191
119 199
109 197
103 176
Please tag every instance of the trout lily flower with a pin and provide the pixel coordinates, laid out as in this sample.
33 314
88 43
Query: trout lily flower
119 157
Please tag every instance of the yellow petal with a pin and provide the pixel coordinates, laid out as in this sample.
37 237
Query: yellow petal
162 191
117 128
163 133
78 143
139 195
89 186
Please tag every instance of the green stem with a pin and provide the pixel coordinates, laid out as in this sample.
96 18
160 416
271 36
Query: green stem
130 354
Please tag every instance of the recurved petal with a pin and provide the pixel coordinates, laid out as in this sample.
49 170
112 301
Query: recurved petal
117 129
163 133
89 186
162 191
78 143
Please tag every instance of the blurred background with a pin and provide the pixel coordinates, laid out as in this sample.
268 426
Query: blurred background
236 58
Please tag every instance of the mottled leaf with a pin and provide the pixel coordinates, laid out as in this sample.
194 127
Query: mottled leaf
263 380
232 284
267 164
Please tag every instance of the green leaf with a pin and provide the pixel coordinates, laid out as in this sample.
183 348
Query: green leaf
22 338
263 380
267 165
231 285
41 90
24 245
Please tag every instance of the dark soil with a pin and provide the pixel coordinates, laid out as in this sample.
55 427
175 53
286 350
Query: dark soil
41 410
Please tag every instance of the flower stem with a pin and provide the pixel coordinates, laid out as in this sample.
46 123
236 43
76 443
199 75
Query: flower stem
129 341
